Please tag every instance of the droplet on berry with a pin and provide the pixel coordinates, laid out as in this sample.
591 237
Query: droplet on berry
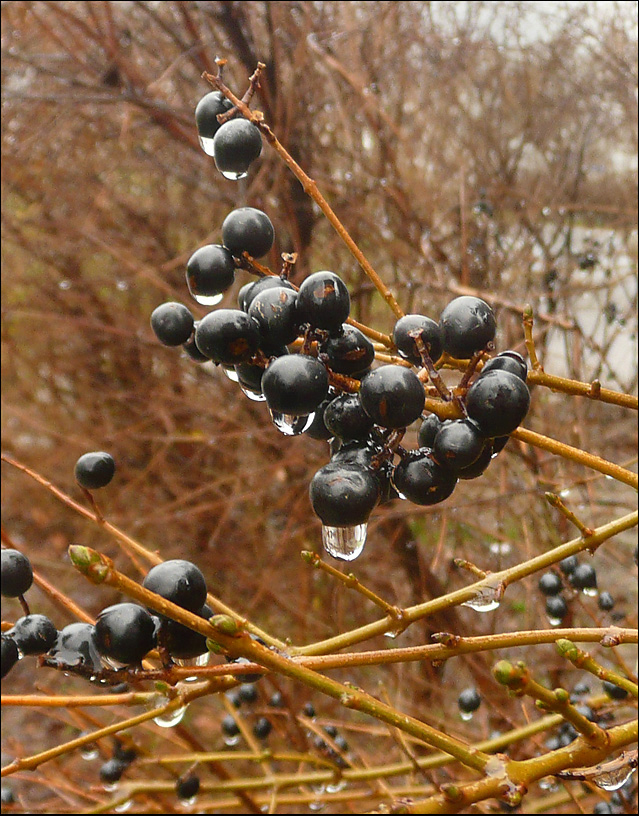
210 106
210 271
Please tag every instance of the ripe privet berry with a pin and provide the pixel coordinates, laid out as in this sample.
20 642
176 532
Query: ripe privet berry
94 470
421 479
606 602
613 691
550 584
172 323
428 431
125 632
236 145
584 576
343 495
248 230
324 301
34 634
187 787
124 754
295 384
498 402
392 396
248 693
507 361
277 700
556 607
344 417
178 581
349 351
9 655
480 464
403 337
210 271
262 728
569 564
458 444
252 289
308 710
317 429
17 574
112 770
229 726
184 643
467 325
75 646
469 700
206 112
275 312
227 336
191 350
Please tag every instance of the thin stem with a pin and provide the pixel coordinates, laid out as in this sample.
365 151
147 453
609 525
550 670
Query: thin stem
311 189
503 578
554 501
582 660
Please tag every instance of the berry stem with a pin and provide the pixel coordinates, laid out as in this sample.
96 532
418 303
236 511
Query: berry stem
554 501
310 188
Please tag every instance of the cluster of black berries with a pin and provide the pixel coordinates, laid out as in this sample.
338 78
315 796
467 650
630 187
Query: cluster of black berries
111 771
581 577
294 349
246 695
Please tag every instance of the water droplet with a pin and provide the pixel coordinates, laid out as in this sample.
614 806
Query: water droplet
64 284
170 718
610 478
546 211
466 715
555 621
89 752
336 787
206 145
486 599
344 542
235 176
564 493
111 787
231 373
613 780
121 286
208 300
291 425
548 784
316 806
231 741
200 660
256 396
123 806
591 592
19 652
500 548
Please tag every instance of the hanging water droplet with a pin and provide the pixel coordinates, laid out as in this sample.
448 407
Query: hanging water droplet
231 373
231 741
564 493
206 144
466 715
548 784
123 806
546 211
170 718
19 652
256 396
208 300
121 286
555 621
291 425
64 284
613 780
344 542
610 478
487 598
500 548
89 752
234 176
110 663
336 787
111 787
316 806
591 592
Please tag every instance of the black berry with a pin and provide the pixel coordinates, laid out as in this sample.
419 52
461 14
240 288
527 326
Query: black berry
188 787
236 145
227 336
324 301
458 444
75 646
404 338
392 396
251 289
344 417
510 361
569 564
262 728
210 271
428 430
172 323
112 770
229 726
343 495
467 325
295 384
34 634
125 632
210 106
9 655
469 700
584 576
421 479
550 584
606 601
349 351
275 312
184 643
178 581
498 402
248 693
613 691
17 574
248 230
556 607
308 710
94 470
